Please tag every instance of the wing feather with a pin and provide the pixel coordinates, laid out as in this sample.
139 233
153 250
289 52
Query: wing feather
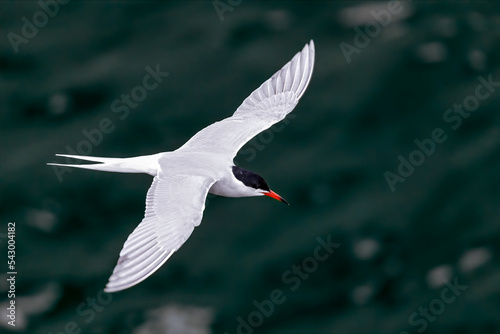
174 206
267 105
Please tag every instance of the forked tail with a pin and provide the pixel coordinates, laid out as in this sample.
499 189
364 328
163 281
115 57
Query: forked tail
144 164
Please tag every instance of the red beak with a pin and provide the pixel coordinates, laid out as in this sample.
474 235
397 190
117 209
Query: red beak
274 195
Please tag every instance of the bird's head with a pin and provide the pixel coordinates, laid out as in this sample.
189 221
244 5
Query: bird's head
255 184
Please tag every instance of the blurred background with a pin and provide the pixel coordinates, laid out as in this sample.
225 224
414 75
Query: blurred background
416 250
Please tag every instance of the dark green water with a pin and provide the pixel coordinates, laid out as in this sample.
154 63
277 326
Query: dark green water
417 254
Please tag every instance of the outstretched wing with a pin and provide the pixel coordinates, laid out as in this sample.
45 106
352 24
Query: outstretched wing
174 206
267 105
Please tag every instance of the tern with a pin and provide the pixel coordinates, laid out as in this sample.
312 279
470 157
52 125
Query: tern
204 164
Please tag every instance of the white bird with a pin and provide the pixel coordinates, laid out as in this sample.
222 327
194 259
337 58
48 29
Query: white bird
204 164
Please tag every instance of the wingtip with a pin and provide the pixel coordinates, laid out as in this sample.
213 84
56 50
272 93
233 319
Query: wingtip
308 53
121 280
311 48
110 290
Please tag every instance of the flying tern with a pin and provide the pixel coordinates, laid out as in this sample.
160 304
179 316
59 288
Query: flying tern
204 164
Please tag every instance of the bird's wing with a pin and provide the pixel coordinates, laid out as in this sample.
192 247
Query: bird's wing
267 105
174 206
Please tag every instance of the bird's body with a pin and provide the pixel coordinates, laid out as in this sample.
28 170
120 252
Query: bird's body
204 164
